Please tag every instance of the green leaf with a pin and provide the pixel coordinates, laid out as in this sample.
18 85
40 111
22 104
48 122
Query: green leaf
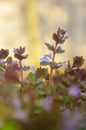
41 72
26 68
44 63
32 78
40 92
40 86
43 89
9 126
1 71
59 51
49 46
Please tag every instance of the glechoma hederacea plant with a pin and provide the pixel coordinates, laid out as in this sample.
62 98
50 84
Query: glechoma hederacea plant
43 100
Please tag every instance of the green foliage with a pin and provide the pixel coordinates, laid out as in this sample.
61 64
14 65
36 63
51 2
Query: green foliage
43 89
59 51
32 78
44 63
47 99
1 71
50 47
9 126
41 72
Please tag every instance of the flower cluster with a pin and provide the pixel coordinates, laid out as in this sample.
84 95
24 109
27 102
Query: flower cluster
13 69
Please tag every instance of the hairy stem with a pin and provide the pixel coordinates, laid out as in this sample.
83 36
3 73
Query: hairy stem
21 74
51 69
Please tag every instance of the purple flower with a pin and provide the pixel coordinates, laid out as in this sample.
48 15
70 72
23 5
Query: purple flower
46 58
15 51
47 103
73 120
2 62
16 102
32 68
62 64
74 90
20 114
25 68
59 48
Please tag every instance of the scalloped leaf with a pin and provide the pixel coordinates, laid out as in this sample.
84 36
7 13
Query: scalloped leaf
59 51
44 63
50 47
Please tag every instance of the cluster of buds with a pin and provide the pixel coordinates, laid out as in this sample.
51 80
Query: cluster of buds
3 55
18 53
78 61
60 36
9 66
12 68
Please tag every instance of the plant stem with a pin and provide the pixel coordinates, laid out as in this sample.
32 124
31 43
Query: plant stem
51 69
21 74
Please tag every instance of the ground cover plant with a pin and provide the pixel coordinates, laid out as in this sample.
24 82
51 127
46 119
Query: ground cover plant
47 98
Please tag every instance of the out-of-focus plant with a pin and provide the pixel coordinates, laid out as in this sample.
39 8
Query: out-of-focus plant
43 100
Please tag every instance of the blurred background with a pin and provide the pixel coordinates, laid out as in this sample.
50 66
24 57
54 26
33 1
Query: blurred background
30 23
